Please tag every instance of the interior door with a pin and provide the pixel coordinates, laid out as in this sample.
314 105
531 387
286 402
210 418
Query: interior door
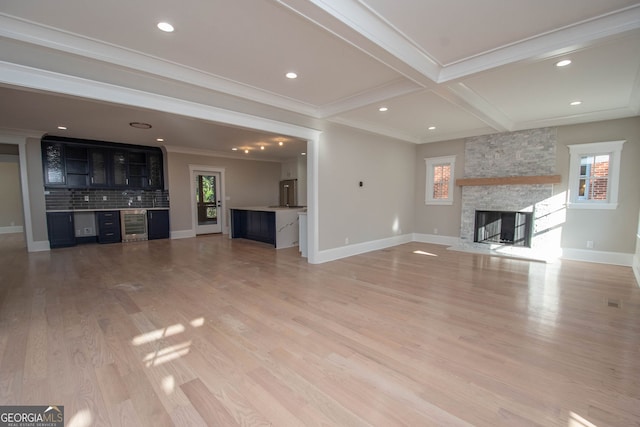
208 202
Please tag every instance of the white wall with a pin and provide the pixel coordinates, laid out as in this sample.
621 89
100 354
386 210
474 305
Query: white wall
383 206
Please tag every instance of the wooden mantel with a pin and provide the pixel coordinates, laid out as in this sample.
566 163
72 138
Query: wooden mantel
510 180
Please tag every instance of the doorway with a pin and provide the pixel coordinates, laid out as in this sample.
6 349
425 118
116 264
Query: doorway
207 200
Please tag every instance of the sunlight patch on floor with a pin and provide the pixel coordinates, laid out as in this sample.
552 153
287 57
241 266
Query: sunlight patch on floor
424 253
82 418
576 420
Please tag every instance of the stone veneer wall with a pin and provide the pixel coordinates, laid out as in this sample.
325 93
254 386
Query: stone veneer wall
523 153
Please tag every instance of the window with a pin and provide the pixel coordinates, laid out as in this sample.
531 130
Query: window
440 174
594 175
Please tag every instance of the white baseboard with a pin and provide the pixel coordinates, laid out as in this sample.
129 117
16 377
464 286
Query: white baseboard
616 258
39 246
11 229
636 268
360 248
183 234
436 239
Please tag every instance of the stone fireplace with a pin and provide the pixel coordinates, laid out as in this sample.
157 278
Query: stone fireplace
516 154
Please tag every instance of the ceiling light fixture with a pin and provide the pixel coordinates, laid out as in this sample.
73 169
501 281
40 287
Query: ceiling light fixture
563 63
234 149
246 151
431 128
574 103
291 75
262 147
165 26
383 109
160 139
303 154
280 143
62 127
140 125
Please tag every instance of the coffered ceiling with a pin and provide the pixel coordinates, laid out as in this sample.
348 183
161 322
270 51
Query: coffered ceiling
461 67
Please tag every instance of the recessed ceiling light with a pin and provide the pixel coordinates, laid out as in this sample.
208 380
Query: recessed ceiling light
574 103
291 75
431 128
62 127
165 26
246 151
234 149
262 147
563 63
303 154
140 125
160 139
280 143
383 109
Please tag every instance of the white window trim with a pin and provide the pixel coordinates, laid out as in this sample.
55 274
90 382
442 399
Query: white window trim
430 163
614 149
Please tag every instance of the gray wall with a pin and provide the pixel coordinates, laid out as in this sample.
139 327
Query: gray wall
247 183
429 218
10 192
610 230
383 206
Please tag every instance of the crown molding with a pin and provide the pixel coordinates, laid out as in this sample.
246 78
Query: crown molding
32 78
383 93
376 129
577 36
595 116
216 153
464 97
39 35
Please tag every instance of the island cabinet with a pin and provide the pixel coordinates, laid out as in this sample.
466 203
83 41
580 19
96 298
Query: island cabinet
73 163
158 224
61 229
274 225
254 225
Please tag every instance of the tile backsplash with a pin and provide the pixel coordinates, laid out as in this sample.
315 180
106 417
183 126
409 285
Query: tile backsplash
63 199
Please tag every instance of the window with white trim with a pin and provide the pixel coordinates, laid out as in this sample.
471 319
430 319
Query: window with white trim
594 175
440 180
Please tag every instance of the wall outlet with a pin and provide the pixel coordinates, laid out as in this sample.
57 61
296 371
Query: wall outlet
346 240
86 198
139 198
87 230
589 244
104 198
12 223
435 231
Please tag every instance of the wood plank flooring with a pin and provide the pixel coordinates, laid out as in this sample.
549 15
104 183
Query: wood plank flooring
217 332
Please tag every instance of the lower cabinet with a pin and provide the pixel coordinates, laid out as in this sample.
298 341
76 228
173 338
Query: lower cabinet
61 229
108 226
254 225
158 224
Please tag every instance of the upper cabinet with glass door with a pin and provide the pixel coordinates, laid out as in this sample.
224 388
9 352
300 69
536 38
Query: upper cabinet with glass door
71 163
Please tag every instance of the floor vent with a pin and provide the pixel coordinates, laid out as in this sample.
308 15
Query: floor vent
615 303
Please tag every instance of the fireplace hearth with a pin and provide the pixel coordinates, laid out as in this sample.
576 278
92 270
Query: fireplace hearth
504 228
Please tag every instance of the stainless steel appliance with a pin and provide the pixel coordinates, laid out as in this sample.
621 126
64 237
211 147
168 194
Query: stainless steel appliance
289 192
133 224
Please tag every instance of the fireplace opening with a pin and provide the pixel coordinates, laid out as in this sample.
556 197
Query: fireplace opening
505 228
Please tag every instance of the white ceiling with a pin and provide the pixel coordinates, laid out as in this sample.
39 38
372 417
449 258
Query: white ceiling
465 67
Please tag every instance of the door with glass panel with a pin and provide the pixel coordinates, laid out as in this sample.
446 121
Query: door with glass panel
208 202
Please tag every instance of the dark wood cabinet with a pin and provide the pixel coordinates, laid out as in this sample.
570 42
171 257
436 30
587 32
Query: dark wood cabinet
158 224
61 229
73 163
108 226
254 225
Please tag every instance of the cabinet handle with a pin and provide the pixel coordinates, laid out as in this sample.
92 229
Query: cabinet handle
70 219
108 223
149 181
126 181
109 234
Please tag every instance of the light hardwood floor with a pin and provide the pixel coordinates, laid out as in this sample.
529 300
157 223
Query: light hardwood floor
209 331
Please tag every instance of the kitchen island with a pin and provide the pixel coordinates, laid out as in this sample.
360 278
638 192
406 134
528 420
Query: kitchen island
277 226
